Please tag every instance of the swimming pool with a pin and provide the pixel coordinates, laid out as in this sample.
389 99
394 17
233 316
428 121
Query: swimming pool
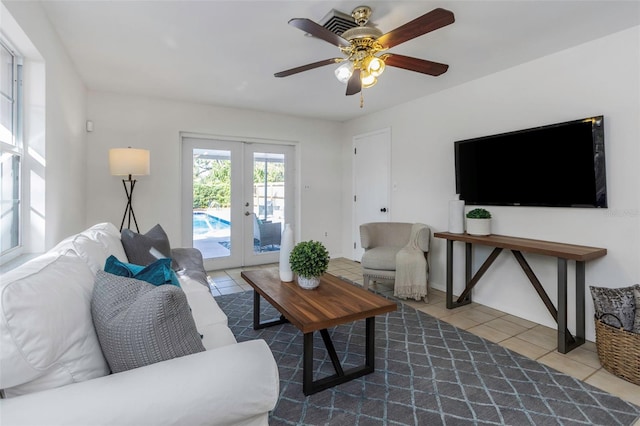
207 226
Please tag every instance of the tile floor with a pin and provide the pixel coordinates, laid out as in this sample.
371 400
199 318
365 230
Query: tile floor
525 337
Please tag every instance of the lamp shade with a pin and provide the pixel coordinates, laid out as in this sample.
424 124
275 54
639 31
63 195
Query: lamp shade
129 161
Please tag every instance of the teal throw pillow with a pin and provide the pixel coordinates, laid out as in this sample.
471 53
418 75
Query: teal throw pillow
156 273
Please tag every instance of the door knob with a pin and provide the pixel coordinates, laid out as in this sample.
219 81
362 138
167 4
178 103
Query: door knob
247 213
383 210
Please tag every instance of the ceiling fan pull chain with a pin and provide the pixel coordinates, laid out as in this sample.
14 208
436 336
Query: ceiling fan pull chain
361 99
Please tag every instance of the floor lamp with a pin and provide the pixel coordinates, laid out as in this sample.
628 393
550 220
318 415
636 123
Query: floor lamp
129 162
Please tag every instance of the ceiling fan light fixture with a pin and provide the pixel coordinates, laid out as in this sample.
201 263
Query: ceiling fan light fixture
374 66
364 48
343 72
368 80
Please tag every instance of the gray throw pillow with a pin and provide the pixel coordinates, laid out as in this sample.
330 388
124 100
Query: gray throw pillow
138 247
139 324
615 301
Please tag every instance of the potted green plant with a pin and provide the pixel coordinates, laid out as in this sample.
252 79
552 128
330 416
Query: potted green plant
479 222
309 260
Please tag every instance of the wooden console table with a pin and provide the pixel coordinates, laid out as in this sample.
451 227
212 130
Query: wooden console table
563 252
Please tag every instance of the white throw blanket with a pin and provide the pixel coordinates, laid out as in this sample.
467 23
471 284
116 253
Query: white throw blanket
411 269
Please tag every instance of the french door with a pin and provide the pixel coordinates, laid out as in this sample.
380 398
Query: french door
237 196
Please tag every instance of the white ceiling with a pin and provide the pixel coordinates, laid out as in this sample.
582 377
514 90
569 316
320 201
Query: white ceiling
226 52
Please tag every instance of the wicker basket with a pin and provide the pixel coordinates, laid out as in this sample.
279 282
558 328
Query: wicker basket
619 351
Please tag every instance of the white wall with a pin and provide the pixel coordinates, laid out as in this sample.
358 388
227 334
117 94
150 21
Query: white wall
156 124
56 160
600 77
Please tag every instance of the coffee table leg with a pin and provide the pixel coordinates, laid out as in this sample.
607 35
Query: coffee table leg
307 365
332 352
309 386
370 345
256 310
257 325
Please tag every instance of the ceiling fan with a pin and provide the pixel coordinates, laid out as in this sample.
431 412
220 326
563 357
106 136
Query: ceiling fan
365 48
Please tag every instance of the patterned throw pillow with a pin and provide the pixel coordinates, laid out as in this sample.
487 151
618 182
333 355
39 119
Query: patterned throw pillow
143 249
615 301
139 324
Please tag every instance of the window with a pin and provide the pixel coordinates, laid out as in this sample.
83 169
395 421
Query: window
11 150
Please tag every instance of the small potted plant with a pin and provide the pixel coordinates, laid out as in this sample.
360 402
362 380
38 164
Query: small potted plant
479 222
309 260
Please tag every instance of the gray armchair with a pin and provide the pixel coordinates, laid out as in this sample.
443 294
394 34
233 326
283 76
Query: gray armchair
266 233
382 241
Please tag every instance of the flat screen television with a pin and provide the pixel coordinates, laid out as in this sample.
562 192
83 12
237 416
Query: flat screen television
559 165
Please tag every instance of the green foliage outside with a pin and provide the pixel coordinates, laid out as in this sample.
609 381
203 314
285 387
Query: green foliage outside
479 214
309 259
211 183
212 180
275 172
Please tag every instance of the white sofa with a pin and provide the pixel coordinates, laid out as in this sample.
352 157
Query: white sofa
52 371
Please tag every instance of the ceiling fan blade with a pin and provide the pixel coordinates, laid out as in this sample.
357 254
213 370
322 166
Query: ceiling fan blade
317 30
415 64
428 22
307 67
354 85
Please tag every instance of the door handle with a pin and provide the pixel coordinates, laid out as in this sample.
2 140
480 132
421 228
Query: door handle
383 210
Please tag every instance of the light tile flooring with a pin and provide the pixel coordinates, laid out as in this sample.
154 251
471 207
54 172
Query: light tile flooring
525 337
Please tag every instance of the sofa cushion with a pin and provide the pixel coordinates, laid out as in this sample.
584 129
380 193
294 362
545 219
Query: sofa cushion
383 257
140 324
90 250
619 302
109 236
94 245
143 249
45 346
156 273
216 336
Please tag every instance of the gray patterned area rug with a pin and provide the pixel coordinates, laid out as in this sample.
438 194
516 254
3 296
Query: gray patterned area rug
428 372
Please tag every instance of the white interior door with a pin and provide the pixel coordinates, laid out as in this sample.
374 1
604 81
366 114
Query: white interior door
236 197
371 182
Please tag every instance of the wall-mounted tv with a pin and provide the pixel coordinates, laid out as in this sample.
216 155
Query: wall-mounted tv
559 165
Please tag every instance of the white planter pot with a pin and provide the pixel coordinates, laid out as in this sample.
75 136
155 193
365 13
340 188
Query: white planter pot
308 283
478 227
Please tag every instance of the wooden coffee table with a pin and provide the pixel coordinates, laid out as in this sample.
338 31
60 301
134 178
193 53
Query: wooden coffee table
333 303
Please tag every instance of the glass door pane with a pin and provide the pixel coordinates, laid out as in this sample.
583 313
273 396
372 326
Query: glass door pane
212 202
268 200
